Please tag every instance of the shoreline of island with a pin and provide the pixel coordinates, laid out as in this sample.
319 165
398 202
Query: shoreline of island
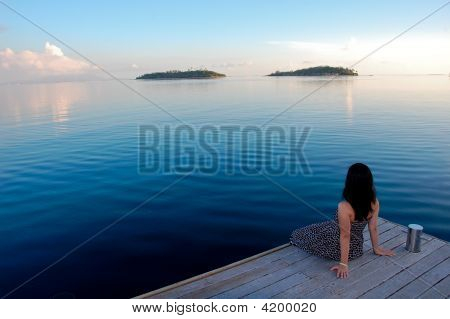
201 74
182 75
324 70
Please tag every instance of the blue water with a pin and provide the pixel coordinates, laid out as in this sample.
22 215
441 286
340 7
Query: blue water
69 168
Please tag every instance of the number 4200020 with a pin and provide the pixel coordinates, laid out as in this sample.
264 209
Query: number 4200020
289 307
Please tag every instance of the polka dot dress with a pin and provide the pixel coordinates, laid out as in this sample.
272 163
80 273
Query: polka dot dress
322 239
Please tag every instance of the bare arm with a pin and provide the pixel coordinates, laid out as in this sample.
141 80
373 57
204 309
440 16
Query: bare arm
345 227
373 230
344 213
373 226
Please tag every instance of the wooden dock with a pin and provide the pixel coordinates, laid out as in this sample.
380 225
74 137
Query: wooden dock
288 272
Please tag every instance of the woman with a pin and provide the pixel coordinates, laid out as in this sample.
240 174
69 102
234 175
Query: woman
342 239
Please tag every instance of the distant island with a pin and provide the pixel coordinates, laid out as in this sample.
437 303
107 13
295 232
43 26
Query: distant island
317 71
175 74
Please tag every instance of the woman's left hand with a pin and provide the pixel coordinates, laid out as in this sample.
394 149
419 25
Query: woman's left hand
341 271
383 251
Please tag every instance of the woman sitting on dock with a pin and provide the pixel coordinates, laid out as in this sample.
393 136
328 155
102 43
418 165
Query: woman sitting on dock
342 239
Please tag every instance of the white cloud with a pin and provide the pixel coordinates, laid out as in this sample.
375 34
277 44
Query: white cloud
415 53
53 50
27 65
134 66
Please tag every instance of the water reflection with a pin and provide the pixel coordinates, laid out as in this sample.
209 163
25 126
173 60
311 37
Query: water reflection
40 101
60 109
349 99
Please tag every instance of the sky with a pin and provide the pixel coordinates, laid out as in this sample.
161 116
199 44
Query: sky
238 38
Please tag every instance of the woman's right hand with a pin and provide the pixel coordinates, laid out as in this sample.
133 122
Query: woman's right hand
341 270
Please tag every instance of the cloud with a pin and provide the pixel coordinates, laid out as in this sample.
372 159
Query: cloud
32 65
53 50
412 53
134 66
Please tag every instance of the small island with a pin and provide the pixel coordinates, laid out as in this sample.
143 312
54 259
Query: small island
175 74
317 71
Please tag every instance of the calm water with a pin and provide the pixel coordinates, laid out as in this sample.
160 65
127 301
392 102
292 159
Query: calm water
68 168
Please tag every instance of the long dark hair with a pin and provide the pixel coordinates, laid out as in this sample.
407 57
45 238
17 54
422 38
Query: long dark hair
359 190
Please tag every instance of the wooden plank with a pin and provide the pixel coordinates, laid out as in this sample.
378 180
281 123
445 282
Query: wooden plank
388 284
319 266
234 271
264 281
295 256
201 283
334 286
438 291
421 284
381 229
381 221
321 275
385 236
289 272
385 227
389 270
343 288
387 233
278 287
206 279
240 279
425 236
398 263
